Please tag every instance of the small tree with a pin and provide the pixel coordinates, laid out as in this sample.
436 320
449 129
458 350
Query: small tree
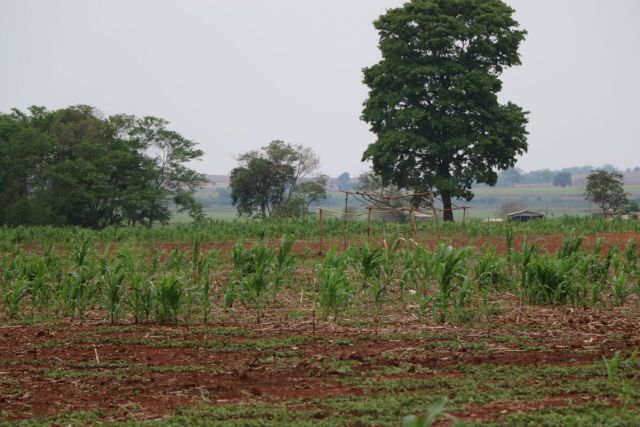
606 189
276 181
562 179
343 181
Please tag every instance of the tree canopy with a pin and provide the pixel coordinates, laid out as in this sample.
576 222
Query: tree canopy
433 101
562 179
74 167
279 180
606 189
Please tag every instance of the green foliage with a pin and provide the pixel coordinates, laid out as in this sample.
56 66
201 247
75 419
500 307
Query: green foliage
562 179
450 273
618 370
259 271
548 280
75 271
434 412
73 167
141 298
335 290
274 182
433 101
606 189
113 278
14 293
570 245
168 293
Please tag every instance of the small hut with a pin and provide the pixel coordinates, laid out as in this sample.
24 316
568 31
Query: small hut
524 216
634 215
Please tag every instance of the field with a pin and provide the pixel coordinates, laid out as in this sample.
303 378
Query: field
555 202
247 323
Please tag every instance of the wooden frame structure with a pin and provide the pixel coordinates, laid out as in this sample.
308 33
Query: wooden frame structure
421 203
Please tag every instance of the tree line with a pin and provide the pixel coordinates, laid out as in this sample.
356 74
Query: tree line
74 166
558 178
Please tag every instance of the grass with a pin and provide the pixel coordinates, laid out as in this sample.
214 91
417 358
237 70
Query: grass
386 401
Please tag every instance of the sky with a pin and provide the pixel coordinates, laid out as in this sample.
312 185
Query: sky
234 75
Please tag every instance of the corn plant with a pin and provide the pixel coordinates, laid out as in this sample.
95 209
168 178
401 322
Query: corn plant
80 253
619 289
631 256
601 266
490 270
368 262
449 272
168 294
205 298
176 260
285 262
335 290
77 291
253 274
548 280
410 267
570 245
597 250
141 298
509 236
112 278
15 291
427 262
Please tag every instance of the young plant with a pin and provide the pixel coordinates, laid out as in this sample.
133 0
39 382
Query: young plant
619 289
112 278
168 294
368 262
434 412
449 273
548 280
335 290
205 298
15 291
253 274
285 262
570 245
78 291
509 236
141 298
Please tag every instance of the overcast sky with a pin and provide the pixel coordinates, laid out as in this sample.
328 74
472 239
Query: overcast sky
236 74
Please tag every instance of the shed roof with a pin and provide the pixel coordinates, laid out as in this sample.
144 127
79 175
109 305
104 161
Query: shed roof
525 213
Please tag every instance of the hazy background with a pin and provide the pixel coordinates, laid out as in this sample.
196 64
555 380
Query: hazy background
236 74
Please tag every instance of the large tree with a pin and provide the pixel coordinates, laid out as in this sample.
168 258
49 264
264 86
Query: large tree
75 167
433 99
278 180
606 189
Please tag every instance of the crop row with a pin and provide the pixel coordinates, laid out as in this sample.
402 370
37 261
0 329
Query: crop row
444 284
304 229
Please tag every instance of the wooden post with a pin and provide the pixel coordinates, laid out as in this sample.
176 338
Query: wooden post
321 231
415 226
344 219
369 227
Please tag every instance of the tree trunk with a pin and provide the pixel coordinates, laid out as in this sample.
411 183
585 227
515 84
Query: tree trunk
447 214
